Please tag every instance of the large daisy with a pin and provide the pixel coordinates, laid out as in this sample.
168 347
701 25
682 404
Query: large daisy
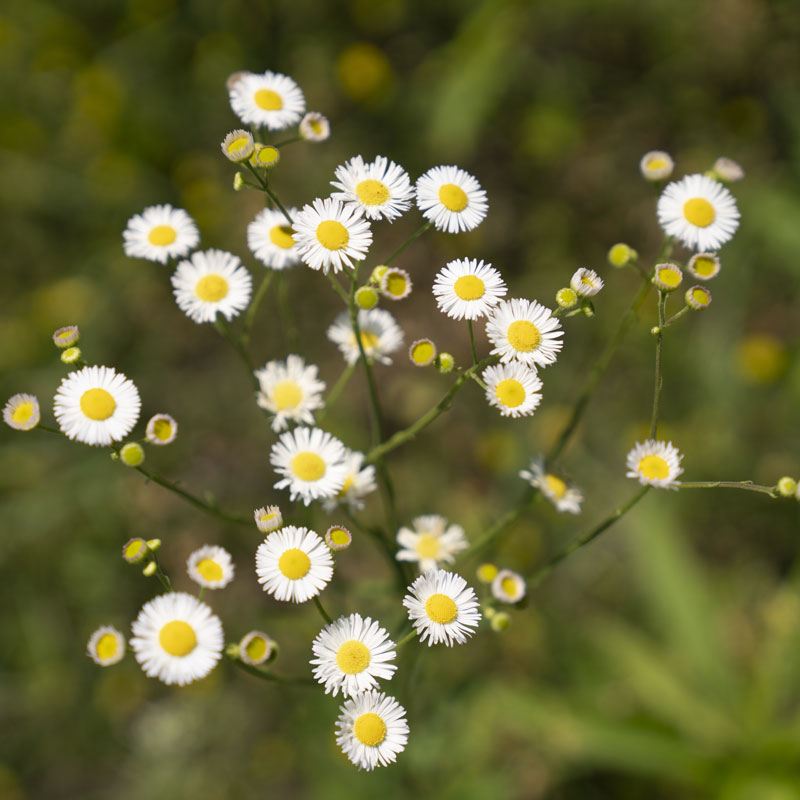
290 390
270 100
359 481
467 288
432 542
451 199
514 388
524 330
654 463
379 189
380 335
160 233
271 239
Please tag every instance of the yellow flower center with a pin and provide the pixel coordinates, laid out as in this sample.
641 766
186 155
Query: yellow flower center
239 143
107 647
427 546
523 335
162 235
211 288
372 193
509 586
256 648
308 466
352 657
441 608
162 429
177 638
339 536
396 285
281 236
294 564
654 468
422 353
22 413
370 729
705 267
555 486
700 296
469 287
287 394
97 404
698 211
452 197
670 277
268 100
510 392
209 570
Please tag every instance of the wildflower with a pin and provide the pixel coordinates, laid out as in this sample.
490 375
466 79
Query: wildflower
524 330
270 237
656 165
271 100
290 390
431 543
514 389
655 463
380 189
106 646
21 412
468 288
565 497
160 233
161 430
211 567
380 335
451 199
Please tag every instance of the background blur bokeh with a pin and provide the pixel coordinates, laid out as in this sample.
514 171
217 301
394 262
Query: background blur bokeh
662 662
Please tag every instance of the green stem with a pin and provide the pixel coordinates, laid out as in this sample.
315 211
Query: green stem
472 342
747 485
659 380
267 675
323 613
250 316
406 243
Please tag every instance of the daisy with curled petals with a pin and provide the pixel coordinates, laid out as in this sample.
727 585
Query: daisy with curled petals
699 211
329 235
270 237
655 463
351 654
311 462
211 282
21 412
379 189
96 405
524 330
106 646
211 567
380 335
586 282
432 542
468 288
451 199
160 233
270 100
177 638
293 564
442 608
371 729
565 497
508 586
359 481
289 390
514 389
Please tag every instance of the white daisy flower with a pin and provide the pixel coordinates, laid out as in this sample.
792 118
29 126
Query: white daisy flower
372 729
268 518
442 608
431 543
656 165
290 390
565 497
256 648
106 646
514 388
177 638
314 127
508 586
699 211
21 412
329 234
655 463
379 189
586 282
380 335
161 429
211 567
358 483
96 405
396 284
451 199
351 654
311 462
271 239
524 330
160 233
467 288
270 100
293 564
704 266
211 282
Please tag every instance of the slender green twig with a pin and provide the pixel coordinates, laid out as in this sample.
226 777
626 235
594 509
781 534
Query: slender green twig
414 236
472 342
747 485
659 380
268 675
250 316
323 613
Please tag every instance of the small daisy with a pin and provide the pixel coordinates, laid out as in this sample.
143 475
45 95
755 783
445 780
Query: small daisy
698 298
161 429
67 336
656 165
290 390
565 497
359 481
508 586
422 353
294 564
396 284
728 170
271 239
268 519
468 288
451 199
106 646
160 233
372 730
524 330
177 638
514 389
314 127
699 211
21 412
96 405
586 282
654 463
667 277
311 462
704 266
270 100
379 189
431 543
238 145
380 335
211 282
329 235
442 608
338 538
211 567
256 648
351 654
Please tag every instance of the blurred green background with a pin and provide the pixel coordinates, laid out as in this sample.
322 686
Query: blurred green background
662 662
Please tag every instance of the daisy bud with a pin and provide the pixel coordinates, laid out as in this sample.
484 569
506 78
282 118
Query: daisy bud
131 454
366 297
620 255
445 363
566 297
787 486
